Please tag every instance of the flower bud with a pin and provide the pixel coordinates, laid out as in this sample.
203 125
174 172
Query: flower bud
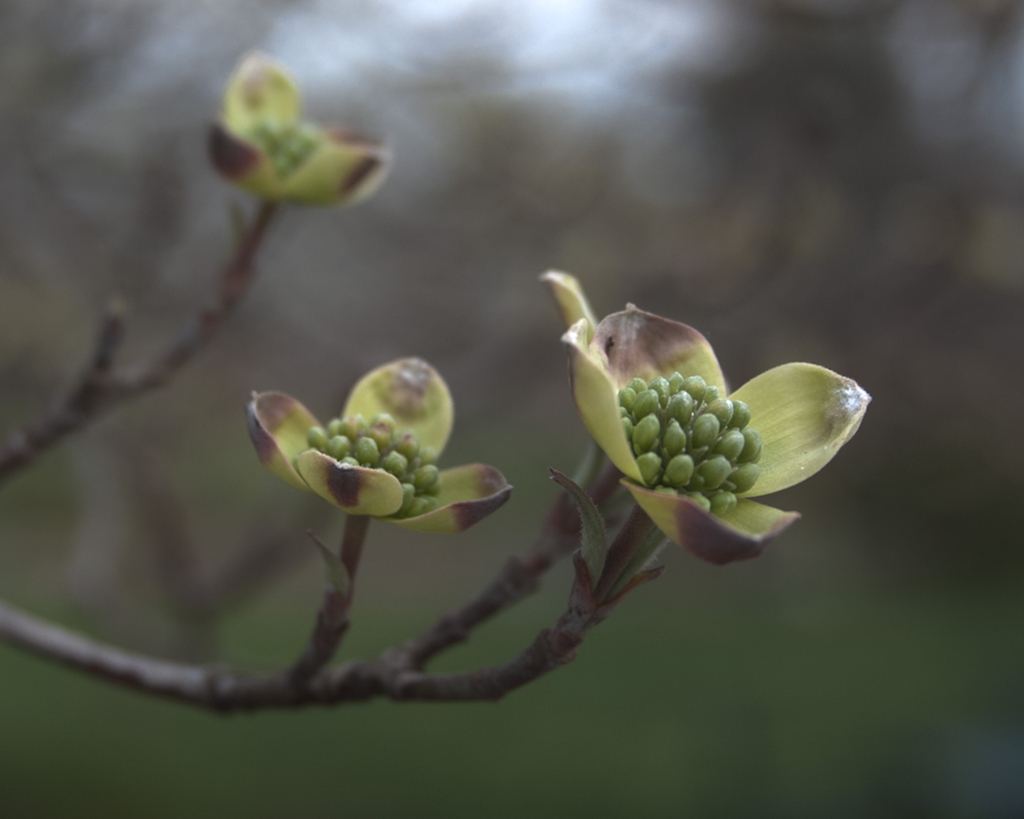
352 426
367 452
680 407
675 383
408 495
679 470
714 471
745 477
705 431
334 428
660 386
752 446
408 445
627 398
380 434
740 415
338 447
317 438
722 502
395 463
649 465
428 455
647 402
711 394
637 385
731 445
646 433
700 500
722 409
424 477
627 427
695 385
675 439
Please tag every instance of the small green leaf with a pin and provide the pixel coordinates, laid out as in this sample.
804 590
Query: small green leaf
644 556
337 574
594 542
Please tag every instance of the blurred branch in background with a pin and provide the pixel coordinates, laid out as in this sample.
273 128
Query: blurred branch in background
100 388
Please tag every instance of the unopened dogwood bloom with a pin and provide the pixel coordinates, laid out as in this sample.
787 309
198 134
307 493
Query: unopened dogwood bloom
652 395
261 143
378 457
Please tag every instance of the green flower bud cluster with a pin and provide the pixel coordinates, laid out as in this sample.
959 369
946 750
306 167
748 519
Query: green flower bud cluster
287 145
689 440
380 445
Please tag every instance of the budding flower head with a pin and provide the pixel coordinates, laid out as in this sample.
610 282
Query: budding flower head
261 143
378 457
652 394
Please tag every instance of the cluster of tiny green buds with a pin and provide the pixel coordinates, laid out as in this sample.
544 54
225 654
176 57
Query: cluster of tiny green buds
380 445
287 145
689 440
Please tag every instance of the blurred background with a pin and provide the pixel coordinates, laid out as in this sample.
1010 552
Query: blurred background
837 182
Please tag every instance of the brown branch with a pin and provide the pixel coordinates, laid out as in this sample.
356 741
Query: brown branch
519 578
396 674
100 388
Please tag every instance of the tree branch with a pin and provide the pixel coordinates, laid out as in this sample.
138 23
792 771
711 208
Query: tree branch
396 674
100 388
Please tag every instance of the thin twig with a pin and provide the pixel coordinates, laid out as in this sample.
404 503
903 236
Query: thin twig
100 388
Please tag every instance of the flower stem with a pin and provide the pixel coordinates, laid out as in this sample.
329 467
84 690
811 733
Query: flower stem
332 620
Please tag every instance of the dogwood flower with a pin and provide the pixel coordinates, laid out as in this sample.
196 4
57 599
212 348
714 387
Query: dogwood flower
260 143
651 393
378 457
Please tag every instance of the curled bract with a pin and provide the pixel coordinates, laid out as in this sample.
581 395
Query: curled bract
803 413
260 143
403 408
